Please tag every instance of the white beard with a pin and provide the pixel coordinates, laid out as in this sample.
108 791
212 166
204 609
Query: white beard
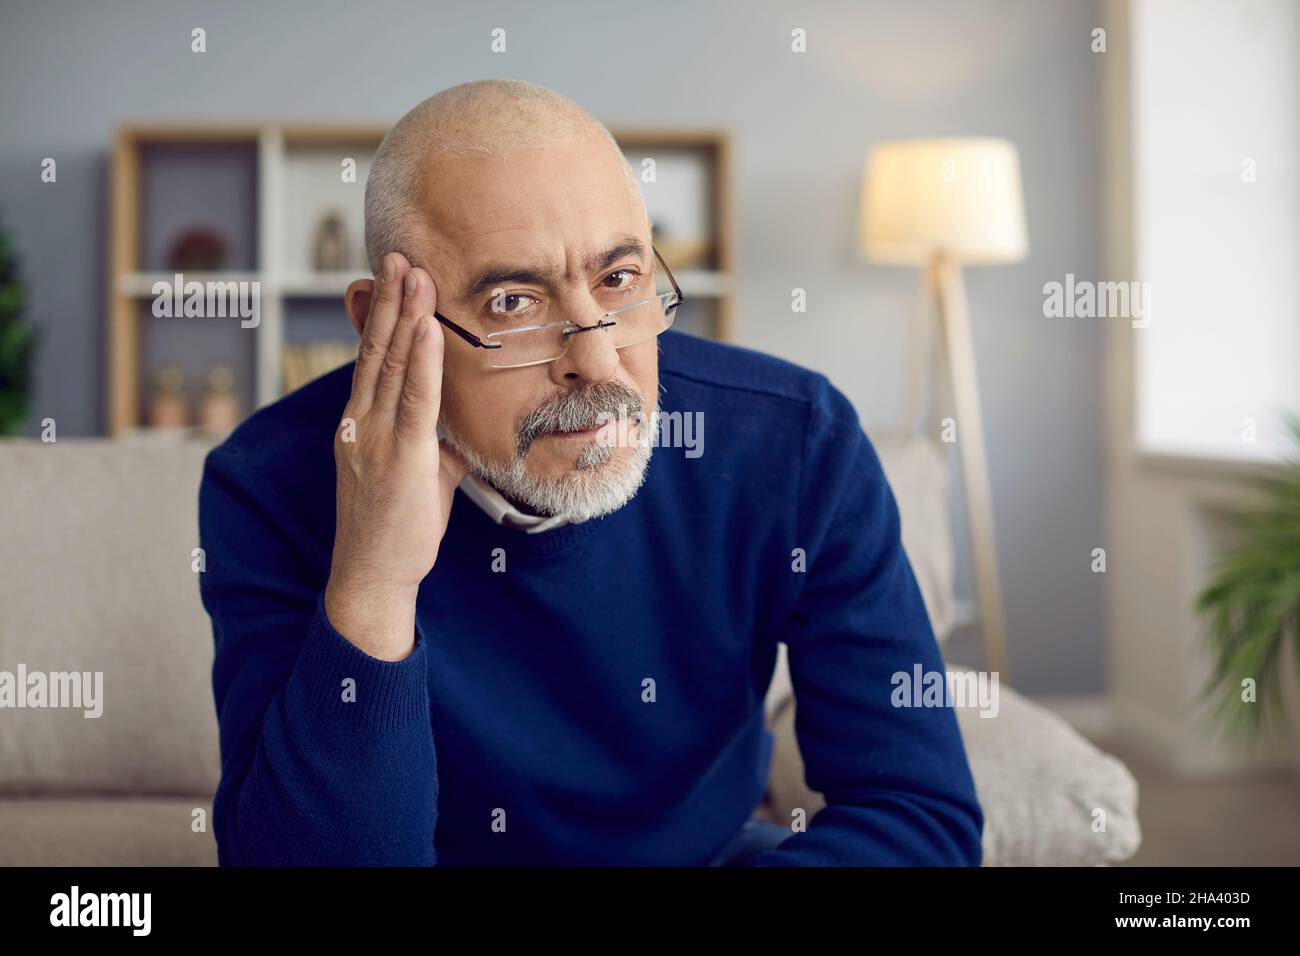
600 482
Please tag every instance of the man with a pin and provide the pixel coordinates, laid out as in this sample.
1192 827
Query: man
565 662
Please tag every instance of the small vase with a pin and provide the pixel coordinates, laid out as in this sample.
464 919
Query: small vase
167 404
219 412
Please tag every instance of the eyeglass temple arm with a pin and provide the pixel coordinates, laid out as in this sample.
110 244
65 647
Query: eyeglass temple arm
676 288
466 334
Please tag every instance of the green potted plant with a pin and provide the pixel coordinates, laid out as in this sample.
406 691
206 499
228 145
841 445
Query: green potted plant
17 342
1252 603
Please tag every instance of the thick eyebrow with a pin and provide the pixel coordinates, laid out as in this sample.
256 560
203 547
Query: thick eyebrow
627 246
495 275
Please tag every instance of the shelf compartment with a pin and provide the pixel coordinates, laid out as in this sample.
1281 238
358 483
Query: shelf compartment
198 186
311 187
195 346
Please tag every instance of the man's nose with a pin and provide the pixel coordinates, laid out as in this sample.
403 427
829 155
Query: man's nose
590 355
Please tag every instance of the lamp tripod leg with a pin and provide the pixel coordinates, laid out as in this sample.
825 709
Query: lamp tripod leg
954 322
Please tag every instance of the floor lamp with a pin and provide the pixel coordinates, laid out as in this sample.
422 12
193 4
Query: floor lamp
941 204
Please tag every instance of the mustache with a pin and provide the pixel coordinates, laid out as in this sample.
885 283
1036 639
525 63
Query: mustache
578 410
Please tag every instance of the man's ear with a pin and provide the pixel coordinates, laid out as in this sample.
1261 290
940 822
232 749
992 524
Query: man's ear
357 302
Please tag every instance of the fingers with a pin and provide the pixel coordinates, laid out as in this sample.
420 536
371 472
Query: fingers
421 391
417 303
385 305
398 375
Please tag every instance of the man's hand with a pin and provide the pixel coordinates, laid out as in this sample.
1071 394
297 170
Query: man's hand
395 484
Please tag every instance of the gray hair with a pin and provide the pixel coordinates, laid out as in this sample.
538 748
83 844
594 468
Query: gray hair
484 116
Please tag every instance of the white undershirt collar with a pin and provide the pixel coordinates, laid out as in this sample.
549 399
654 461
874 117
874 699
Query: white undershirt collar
504 513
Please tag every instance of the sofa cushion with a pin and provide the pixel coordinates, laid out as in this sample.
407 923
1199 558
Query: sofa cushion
105 831
1038 781
1046 791
95 576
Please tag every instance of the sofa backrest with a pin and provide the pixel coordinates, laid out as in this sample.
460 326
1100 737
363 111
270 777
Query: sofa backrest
96 576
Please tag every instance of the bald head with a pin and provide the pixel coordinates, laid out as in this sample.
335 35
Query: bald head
482 118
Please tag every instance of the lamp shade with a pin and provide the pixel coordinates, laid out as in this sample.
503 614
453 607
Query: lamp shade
959 198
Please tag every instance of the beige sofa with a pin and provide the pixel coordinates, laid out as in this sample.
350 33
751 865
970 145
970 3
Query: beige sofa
96 574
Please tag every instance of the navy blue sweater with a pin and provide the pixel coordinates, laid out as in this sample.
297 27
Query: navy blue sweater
600 701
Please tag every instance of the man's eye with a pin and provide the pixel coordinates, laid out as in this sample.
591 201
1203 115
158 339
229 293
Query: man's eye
512 303
621 280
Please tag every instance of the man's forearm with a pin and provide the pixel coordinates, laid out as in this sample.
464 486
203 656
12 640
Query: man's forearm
342 770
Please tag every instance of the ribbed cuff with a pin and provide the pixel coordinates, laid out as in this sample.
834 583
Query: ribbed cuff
385 695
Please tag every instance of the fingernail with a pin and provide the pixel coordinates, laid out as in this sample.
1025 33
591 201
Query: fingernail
390 270
411 283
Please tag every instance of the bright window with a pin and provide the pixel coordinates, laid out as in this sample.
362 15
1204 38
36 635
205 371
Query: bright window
1216 131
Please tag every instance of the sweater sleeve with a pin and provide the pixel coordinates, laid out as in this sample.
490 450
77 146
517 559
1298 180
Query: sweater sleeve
327 754
897 784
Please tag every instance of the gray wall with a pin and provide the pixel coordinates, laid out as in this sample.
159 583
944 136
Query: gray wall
801 126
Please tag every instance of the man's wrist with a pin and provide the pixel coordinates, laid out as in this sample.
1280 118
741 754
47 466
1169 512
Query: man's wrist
379 620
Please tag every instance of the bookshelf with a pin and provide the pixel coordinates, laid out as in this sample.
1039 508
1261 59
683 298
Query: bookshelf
248 201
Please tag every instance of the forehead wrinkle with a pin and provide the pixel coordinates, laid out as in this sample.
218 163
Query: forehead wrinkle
551 220
441 198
